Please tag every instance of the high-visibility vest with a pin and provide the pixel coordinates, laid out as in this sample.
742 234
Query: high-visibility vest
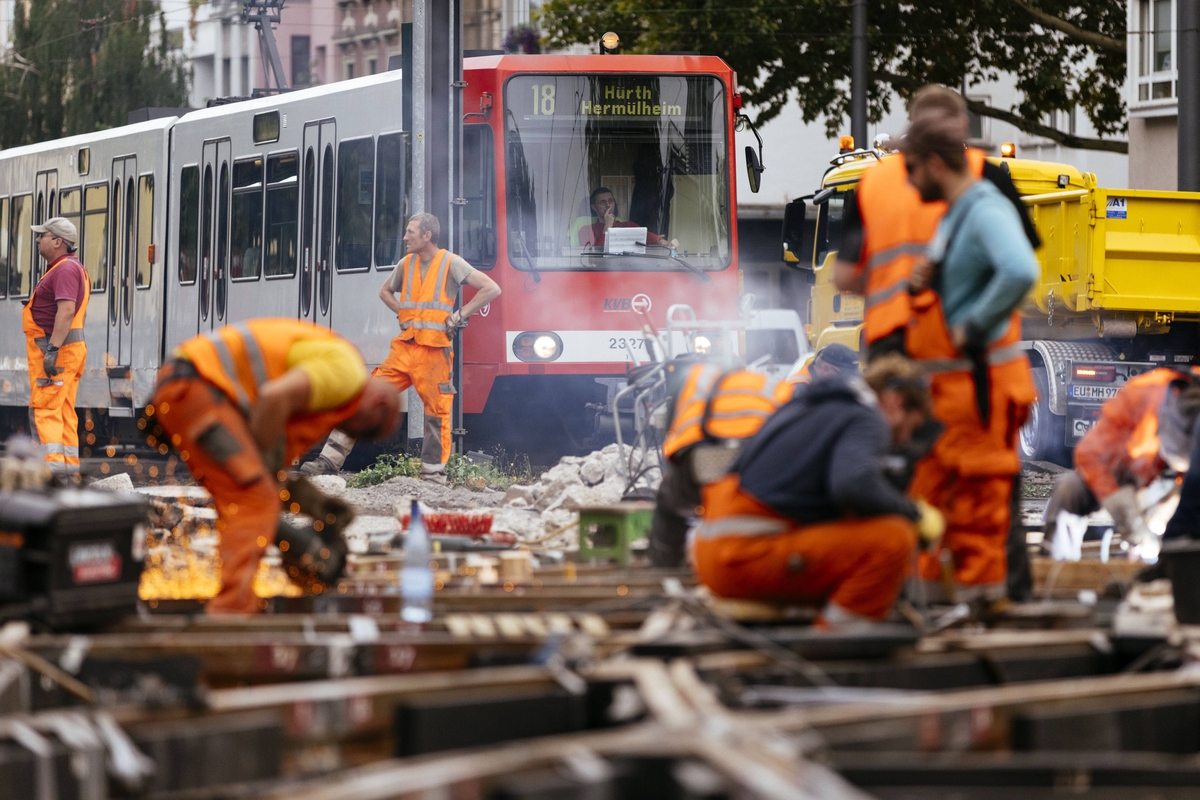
425 307
239 359
72 352
75 334
965 443
897 227
716 406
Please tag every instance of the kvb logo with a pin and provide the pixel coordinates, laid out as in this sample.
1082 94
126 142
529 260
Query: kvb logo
639 303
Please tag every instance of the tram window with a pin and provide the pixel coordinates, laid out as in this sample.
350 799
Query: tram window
356 185
21 249
283 210
84 160
223 237
246 253
95 234
479 190
189 223
266 127
389 201
145 235
68 207
3 247
326 203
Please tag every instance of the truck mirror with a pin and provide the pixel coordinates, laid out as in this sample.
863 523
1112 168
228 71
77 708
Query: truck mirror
754 169
799 234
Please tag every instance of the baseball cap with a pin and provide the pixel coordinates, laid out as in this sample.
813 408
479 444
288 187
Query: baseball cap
61 227
840 356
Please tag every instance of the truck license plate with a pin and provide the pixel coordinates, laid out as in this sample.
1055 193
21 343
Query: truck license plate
1092 392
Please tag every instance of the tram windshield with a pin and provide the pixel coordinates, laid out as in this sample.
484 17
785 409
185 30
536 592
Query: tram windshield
641 155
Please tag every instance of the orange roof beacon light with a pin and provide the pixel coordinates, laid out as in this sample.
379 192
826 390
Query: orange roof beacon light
610 43
1008 150
845 144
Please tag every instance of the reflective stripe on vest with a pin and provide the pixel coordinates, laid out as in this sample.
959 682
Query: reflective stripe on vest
741 525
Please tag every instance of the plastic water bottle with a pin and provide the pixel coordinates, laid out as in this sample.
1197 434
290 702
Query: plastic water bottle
416 579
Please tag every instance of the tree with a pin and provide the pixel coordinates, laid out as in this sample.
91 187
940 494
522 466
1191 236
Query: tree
77 66
1063 53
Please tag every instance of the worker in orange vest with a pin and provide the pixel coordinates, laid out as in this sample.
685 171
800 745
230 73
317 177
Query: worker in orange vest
1146 429
712 412
242 403
53 321
887 226
965 333
806 514
422 356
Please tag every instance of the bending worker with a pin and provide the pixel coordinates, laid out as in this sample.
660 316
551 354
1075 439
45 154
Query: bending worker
428 281
1145 429
806 513
53 324
712 413
241 404
965 333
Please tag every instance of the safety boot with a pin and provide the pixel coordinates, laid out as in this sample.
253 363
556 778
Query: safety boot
319 466
437 476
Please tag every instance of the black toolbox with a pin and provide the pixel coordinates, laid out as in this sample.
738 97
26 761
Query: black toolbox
70 558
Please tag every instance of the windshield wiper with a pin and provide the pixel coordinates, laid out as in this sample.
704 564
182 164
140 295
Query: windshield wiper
537 276
690 268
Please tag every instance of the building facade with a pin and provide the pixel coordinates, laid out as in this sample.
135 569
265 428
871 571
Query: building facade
1152 96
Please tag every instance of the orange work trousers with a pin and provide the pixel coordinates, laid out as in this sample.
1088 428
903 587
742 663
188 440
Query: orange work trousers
978 513
858 564
214 441
429 371
52 414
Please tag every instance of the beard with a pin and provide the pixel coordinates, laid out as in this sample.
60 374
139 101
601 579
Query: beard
931 192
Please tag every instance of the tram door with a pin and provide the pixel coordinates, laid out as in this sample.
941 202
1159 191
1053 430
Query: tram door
45 207
214 234
316 233
122 255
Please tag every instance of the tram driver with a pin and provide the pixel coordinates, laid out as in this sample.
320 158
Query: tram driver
590 232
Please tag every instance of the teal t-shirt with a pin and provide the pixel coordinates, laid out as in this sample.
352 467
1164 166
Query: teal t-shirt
990 265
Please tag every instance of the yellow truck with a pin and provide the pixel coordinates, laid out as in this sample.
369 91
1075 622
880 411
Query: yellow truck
1119 291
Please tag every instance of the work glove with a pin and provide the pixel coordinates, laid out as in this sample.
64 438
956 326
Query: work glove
333 513
931 524
1122 506
456 322
50 362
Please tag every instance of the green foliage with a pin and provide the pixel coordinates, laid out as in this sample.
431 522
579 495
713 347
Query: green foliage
500 474
1062 52
460 471
78 66
384 469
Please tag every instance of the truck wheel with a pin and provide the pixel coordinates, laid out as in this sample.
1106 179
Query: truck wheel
1041 438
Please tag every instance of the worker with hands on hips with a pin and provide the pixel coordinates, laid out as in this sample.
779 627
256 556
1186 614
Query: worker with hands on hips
427 281
240 405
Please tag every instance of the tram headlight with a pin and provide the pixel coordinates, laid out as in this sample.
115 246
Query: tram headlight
537 346
702 344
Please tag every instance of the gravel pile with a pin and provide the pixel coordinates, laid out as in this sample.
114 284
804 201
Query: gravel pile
540 511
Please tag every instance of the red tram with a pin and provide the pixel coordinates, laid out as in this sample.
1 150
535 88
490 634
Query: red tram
565 150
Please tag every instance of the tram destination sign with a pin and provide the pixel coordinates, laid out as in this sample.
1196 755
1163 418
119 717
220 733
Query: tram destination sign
549 96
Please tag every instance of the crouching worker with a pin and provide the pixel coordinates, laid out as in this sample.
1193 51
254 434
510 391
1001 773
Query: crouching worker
241 404
713 412
806 514
1144 430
